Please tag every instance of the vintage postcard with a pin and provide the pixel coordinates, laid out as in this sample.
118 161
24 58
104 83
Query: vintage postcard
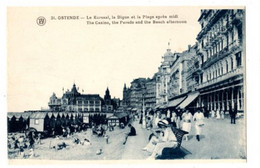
126 83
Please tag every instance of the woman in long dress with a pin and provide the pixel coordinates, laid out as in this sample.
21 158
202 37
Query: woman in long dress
186 124
198 118
164 139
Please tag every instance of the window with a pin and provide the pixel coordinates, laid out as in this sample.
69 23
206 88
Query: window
80 109
36 121
226 67
64 102
232 64
232 36
85 109
238 59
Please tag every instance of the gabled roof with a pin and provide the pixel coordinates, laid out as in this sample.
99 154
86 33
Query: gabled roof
90 96
38 115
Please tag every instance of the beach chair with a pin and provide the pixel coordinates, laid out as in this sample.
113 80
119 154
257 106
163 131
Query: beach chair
177 152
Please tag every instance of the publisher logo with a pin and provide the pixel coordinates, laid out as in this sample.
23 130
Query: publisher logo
41 21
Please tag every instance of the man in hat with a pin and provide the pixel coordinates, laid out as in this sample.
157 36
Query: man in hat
164 139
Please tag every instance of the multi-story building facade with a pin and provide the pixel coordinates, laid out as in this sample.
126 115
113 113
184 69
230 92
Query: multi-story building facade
221 65
150 93
163 78
179 71
137 93
75 101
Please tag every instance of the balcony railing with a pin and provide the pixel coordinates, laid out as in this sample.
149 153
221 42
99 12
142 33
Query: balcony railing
233 73
237 17
54 104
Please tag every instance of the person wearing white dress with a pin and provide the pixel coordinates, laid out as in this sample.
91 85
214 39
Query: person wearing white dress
186 124
166 139
217 115
174 118
212 113
222 114
198 118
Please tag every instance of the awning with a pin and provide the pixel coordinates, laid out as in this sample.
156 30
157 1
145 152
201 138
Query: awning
191 96
134 109
156 107
176 102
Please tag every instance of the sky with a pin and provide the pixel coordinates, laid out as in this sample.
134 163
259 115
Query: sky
45 59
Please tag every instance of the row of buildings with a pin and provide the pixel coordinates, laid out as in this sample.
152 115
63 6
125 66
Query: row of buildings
209 74
72 100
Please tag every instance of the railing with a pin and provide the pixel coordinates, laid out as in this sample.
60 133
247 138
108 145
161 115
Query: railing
213 59
235 72
237 17
54 104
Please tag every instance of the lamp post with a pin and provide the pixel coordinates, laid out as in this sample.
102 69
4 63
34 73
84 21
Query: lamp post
143 122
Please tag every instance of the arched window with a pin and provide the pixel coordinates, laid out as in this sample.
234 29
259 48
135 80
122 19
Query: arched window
221 69
226 66
232 64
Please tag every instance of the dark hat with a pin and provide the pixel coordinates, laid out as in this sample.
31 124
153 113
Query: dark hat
163 123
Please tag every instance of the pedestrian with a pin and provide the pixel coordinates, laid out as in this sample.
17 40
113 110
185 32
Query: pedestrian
131 133
157 118
31 153
107 138
217 115
38 139
68 131
165 139
212 113
233 113
178 121
31 140
186 124
198 118
222 114
173 119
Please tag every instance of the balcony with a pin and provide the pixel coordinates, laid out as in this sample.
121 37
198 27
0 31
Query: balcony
54 104
237 17
216 57
211 22
231 74
235 45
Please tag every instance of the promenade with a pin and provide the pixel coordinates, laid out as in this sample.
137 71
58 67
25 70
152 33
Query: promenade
219 140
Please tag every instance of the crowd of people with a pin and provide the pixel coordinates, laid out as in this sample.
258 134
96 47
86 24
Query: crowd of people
19 142
161 125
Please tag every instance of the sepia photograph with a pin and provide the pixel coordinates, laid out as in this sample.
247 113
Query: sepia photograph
126 83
